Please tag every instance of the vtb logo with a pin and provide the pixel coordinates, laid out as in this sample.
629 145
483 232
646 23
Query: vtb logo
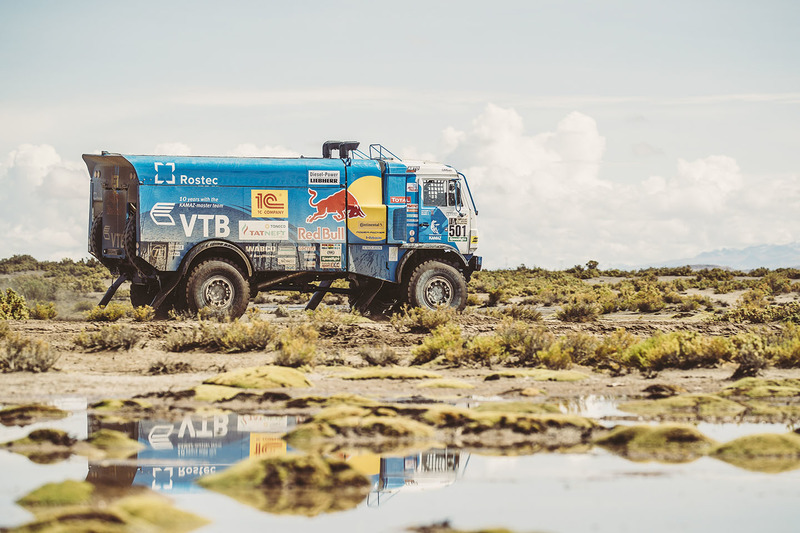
168 168
340 204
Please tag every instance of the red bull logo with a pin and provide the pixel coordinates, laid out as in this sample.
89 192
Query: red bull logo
340 205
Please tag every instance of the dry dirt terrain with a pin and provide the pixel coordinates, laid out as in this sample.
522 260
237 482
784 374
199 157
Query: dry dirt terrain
125 374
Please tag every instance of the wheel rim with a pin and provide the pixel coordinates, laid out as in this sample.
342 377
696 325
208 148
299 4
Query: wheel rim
438 291
217 291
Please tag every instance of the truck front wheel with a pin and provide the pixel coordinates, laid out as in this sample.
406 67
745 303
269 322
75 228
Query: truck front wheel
434 283
220 285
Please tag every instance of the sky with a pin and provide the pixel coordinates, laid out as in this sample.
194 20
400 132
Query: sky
625 132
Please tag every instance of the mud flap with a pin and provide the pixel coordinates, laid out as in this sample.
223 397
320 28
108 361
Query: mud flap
368 292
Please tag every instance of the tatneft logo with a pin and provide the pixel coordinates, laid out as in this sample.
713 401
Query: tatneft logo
161 214
168 169
263 230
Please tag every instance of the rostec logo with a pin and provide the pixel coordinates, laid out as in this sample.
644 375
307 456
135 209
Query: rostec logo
171 180
269 204
161 214
340 204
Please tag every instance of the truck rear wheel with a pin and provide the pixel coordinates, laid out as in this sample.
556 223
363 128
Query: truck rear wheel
219 285
435 283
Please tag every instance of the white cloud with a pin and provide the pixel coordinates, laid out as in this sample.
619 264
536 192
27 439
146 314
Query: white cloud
544 199
45 204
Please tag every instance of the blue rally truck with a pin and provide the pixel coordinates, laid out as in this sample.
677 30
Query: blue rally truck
194 232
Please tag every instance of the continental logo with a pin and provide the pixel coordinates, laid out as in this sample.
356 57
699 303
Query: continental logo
269 204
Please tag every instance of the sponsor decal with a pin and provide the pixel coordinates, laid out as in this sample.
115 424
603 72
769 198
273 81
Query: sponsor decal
323 177
114 238
162 173
474 239
263 230
399 199
221 225
261 251
413 208
434 227
393 254
412 187
374 248
267 203
412 169
262 445
307 248
330 255
321 234
340 205
161 214
434 237
457 229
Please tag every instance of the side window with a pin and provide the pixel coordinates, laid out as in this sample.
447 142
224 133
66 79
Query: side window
453 193
434 193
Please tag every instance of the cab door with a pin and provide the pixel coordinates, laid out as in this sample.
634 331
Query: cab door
443 217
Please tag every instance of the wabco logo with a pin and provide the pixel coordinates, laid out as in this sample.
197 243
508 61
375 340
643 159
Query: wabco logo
161 214
340 204
169 168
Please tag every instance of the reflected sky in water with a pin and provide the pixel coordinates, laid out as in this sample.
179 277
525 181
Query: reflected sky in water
594 491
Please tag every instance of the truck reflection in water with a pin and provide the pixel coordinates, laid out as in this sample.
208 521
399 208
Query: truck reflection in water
434 469
176 453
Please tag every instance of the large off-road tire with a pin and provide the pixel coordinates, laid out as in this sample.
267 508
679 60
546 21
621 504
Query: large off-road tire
435 283
220 285
96 237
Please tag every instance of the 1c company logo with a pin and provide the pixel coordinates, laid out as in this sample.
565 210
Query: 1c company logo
158 180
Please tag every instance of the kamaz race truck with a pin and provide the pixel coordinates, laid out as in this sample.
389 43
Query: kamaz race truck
194 232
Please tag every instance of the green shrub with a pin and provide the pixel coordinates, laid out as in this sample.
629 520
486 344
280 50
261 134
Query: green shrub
12 306
229 337
107 338
680 349
422 320
496 296
582 346
483 350
611 349
580 309
143 313
524 342
386 356
443 340
37 287
43 311
297 346
107 313
557 357
521 312
23 354
5 329
647 300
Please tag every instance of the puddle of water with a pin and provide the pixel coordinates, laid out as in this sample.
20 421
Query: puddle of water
595 491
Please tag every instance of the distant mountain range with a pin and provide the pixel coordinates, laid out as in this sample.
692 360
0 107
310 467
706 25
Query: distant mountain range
766 255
